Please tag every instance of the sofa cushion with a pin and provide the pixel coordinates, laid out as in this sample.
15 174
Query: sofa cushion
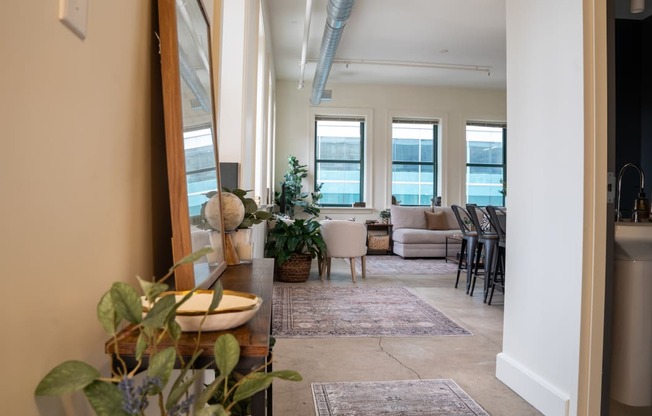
436 220
451 222
416 236
408 217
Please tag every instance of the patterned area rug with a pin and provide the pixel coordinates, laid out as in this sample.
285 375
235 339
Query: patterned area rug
356 312
406 397
396 265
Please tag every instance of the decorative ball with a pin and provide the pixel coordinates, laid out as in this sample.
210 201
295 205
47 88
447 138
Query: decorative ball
233 211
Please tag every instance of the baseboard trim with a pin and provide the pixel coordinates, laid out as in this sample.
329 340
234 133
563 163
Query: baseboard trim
536 391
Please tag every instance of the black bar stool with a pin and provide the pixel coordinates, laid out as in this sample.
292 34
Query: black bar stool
498 218
488 238
469 245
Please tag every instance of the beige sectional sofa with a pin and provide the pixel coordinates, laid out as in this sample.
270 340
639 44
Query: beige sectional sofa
422 231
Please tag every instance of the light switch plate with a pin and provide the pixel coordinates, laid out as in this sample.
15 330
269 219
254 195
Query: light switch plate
74 14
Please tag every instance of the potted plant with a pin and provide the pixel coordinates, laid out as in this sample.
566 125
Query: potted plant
121 393
292 195
385 215
242 235
294 243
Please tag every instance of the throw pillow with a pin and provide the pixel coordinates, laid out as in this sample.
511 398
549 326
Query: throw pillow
435 220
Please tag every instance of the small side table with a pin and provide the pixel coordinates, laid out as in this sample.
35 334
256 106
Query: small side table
456 238
379 238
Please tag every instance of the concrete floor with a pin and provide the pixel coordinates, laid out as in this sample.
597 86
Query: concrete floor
469 360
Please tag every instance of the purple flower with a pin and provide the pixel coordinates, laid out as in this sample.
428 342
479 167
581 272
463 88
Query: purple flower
182 408
134 400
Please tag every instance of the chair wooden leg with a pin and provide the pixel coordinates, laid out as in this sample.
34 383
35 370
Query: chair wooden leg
328 267
320 267
352 261
364 266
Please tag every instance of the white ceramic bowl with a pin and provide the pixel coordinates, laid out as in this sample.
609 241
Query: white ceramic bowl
235 309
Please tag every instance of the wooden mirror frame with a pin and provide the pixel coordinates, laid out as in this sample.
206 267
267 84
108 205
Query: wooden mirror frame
185 276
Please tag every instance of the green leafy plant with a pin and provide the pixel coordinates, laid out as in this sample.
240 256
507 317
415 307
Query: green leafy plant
252 214
386 214
295 237
118 394
292 195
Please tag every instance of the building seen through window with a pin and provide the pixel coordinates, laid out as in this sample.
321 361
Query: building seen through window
200 167
414 161
339 160
485 164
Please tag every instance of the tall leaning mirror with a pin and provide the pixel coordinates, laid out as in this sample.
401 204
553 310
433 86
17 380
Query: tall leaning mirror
192 156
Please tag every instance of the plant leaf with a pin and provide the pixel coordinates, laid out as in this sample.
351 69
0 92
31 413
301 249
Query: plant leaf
181 388
105 398
263 215
217 296
208 392
126 302
239 192
185 298
67 377
246 223
174 329
152 290
227 353
106 314
191 258
213 410
288 375
250 205
178 388
158 316
251 384
141 345
161 365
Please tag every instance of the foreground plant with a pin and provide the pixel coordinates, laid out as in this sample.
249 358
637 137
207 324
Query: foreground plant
120 393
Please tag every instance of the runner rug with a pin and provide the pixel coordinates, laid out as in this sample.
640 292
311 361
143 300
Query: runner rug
441 397
396 265
356 312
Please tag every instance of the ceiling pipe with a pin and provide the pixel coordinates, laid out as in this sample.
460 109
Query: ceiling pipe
338 13
304 45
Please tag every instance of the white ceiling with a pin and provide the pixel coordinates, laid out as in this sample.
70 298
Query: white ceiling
449 32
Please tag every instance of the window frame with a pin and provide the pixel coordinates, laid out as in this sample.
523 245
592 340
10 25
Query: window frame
501 125
436 124
366 167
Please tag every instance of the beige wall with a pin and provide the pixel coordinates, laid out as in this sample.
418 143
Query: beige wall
453 106
81 183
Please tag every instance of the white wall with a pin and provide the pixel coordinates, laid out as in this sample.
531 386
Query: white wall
81 124
230 91
540 358
453 106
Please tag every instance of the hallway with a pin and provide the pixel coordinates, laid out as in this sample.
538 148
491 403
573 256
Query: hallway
469 360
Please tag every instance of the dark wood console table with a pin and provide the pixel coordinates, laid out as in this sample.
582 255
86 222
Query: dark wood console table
254 336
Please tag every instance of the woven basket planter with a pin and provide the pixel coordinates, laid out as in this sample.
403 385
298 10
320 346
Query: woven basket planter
295 269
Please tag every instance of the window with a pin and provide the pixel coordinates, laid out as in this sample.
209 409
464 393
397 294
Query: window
485 163
339 159
414 161
200 166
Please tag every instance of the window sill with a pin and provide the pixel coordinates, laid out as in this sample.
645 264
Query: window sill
346 210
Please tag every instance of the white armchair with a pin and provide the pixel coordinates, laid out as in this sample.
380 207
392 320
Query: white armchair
344 239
